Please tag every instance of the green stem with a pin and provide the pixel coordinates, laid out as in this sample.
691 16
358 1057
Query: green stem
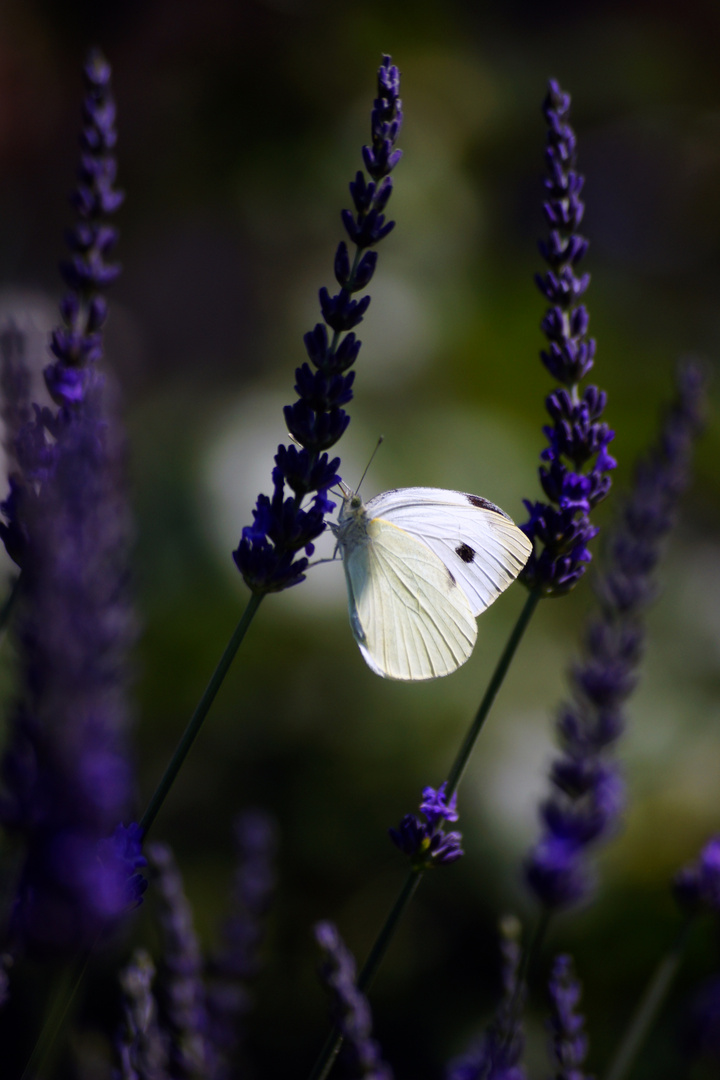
649 1005
64 997
203 707
7 609
460 763
330 1050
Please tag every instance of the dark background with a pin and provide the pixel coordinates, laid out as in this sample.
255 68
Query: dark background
240 125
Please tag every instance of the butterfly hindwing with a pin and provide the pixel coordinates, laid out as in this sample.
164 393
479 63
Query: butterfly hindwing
409 616
480 545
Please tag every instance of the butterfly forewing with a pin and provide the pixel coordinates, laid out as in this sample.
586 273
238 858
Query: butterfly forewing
408 615
480 545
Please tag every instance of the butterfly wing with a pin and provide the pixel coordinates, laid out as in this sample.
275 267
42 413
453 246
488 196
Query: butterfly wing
478 543
409 617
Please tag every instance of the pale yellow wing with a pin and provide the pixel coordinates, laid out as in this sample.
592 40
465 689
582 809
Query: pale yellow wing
408 615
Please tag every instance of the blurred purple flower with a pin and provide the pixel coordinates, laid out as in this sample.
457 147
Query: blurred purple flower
497 1054
282 527
560 529
236 963
698 885
350 1011
67 777
587 792
140 1046
568 1041
425 842
180 987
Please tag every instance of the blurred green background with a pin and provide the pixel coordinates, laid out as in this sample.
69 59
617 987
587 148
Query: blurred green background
240 126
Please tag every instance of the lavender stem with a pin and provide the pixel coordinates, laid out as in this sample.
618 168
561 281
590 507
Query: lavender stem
650 1004
463 756
201 711
330 1050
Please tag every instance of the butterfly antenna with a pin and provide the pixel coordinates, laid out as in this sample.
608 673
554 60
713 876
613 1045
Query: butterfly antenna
372 456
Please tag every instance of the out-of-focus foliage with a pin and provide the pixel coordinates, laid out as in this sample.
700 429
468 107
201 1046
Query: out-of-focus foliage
239 125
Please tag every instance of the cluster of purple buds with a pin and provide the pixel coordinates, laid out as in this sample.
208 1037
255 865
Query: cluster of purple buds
350 1011
77 344
574 477
268 556
587 791
424 841
698 886
568 1041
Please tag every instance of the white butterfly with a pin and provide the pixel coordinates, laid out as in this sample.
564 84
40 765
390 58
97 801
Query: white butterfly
420 563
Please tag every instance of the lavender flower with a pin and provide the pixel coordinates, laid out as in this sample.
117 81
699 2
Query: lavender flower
497 1054
181 991
698 885
283 526
140 1045
425 842
66 772
574 478
587 791
237 962
350 1011
568 1041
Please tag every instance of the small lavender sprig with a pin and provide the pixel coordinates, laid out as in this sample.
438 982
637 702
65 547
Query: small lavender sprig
575 477
568 1041
180 986
697 886
268 550
350 1010
425 842
587 791
497 1054
140 1046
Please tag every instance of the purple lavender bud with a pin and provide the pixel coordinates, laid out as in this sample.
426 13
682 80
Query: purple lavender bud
576 438
180 987
268 555
425 842
587 797
349 1009
140 1046
698 885
568 1041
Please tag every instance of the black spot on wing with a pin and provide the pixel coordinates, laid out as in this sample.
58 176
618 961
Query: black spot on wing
453 582
466 553
485 504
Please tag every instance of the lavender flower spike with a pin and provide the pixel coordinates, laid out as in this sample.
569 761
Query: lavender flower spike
349 1008
180 990
67 777
268 556
236 964
568 1041
575 476
697 886
587 791
425 842
140 1045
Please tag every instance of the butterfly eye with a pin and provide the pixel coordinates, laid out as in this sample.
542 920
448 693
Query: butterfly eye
355 502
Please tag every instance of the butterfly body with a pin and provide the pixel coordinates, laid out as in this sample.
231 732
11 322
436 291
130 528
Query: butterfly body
420 564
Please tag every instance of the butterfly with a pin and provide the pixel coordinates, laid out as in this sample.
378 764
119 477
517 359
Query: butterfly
420 564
